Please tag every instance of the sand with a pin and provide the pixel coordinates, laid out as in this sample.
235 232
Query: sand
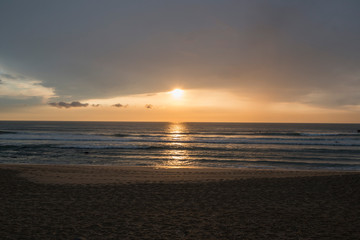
108 202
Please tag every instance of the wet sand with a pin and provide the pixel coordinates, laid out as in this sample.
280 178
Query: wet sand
98 202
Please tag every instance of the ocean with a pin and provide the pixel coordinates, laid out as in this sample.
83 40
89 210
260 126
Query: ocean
161 144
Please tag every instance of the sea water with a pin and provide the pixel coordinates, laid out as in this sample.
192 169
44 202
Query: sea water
236 145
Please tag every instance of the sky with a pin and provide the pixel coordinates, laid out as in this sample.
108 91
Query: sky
235 61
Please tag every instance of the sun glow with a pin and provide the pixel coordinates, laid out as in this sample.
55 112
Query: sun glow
177 93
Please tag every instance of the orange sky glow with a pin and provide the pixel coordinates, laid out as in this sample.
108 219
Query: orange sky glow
184 106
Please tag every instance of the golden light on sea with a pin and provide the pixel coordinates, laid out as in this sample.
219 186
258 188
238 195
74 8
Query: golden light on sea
177 157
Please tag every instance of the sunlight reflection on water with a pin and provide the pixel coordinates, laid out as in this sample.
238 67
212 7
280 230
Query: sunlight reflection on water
176 158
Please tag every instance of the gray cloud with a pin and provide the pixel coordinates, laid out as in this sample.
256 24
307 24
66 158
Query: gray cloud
275 50
9 76
68 105
95 105
11 104
1 81
119 105
149 106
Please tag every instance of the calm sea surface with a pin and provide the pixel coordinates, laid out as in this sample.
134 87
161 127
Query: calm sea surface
239 145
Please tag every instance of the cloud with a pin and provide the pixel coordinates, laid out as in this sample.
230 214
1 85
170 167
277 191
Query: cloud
9 76
68 105
13 86
119 105
11 104
272 50
18 92
148 106
95 105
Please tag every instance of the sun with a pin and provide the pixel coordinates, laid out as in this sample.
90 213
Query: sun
177 93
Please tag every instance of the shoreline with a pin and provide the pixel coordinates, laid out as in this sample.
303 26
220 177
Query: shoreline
114 174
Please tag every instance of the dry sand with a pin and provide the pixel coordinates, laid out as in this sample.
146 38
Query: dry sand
103 202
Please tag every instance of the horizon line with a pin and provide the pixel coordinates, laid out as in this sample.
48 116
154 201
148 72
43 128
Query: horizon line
104 121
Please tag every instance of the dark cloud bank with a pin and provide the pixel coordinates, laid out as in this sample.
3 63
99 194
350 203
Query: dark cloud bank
77 104
68 105
302 50
119 105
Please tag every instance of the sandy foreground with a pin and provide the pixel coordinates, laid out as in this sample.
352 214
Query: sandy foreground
108 202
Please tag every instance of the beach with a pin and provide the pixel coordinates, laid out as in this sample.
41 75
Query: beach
113 202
